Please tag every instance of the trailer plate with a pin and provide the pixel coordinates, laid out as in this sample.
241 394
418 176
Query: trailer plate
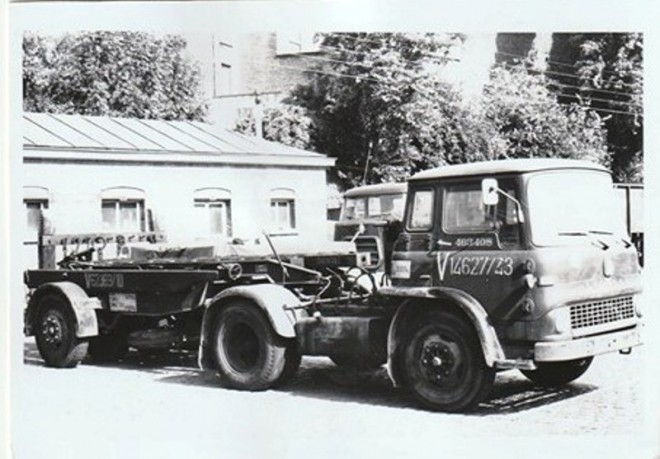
125 302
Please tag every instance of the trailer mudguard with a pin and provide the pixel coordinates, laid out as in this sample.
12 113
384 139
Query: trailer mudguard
271 298
82 306
490 344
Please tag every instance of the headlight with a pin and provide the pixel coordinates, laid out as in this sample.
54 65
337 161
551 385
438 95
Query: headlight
562 319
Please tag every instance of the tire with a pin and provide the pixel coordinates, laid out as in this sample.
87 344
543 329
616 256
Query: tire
249 354
55 333
443 364
551 374
356 362
108 348
292 359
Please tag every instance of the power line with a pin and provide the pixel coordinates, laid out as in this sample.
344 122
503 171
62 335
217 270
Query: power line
550 61
605 91
362 78
552 72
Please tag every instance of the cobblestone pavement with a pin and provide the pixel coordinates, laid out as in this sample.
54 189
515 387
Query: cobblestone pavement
164 406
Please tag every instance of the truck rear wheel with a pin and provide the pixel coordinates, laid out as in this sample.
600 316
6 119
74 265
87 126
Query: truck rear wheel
55 333
558 373
249 354
443 364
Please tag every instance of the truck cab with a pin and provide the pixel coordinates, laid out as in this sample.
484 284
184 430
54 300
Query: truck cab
534 250
371 216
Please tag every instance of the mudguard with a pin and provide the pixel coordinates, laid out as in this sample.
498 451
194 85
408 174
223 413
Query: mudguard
271 298
82 307
490 344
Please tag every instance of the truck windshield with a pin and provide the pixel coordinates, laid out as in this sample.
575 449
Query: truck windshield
386 205
567 206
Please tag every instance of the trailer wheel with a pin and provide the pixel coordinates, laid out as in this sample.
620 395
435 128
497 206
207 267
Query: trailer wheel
443 363
292 359
108 348
55 333
249 354
551 374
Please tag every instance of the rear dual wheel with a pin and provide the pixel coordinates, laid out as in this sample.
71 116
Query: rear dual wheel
443 363
249 354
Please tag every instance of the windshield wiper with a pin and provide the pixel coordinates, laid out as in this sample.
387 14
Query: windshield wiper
594 240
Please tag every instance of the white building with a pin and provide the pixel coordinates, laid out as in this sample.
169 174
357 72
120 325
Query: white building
189 180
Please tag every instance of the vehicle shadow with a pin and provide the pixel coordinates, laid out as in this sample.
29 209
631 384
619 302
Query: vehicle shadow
319 378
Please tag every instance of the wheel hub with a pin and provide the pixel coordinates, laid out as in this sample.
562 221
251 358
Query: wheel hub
437 361
52 330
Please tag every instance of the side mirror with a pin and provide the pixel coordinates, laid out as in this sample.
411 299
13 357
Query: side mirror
489 194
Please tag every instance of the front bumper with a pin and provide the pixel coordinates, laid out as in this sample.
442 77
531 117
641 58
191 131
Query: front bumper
587 347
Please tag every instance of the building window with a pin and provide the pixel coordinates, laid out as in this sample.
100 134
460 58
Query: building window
35 200
125 216
123 209
282 210
222 68
34 207
289 42
214 207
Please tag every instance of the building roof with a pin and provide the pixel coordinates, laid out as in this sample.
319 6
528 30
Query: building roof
93 138
376 189
505 166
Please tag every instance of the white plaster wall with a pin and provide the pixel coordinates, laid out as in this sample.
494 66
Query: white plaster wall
75 203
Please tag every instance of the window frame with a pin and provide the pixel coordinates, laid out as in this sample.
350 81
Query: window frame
410 199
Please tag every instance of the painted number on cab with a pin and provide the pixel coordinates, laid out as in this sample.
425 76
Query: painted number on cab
473 265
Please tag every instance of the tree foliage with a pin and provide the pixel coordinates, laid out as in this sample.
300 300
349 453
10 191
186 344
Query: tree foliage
605 72
530 122
123 74
380 106
287 124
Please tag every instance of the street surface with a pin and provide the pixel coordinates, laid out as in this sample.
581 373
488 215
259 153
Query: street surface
165 407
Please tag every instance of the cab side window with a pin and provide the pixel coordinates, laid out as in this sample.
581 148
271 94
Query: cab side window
464 212
421 215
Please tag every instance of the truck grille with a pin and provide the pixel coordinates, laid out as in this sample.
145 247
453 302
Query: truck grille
368 244
602 312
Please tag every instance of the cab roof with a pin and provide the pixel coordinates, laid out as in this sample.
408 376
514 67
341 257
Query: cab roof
505 166
377 189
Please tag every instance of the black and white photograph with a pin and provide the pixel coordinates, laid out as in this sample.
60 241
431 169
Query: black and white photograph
315 229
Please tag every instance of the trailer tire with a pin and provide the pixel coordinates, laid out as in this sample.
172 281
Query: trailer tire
55 333
292 359
550 374
443 363
108 348
249 354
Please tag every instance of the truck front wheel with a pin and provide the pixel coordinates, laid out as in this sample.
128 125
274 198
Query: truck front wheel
249 354
444 367
558 373
55 333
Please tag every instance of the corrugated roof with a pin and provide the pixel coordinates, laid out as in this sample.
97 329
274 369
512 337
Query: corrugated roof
78 133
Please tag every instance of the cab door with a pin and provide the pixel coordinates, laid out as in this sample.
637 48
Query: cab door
479 248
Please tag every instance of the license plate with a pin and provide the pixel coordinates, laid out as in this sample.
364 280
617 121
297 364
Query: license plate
126 302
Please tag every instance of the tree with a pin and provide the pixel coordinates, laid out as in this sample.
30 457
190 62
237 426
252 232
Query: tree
530 121
605 73
379 107
123 74
287 124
